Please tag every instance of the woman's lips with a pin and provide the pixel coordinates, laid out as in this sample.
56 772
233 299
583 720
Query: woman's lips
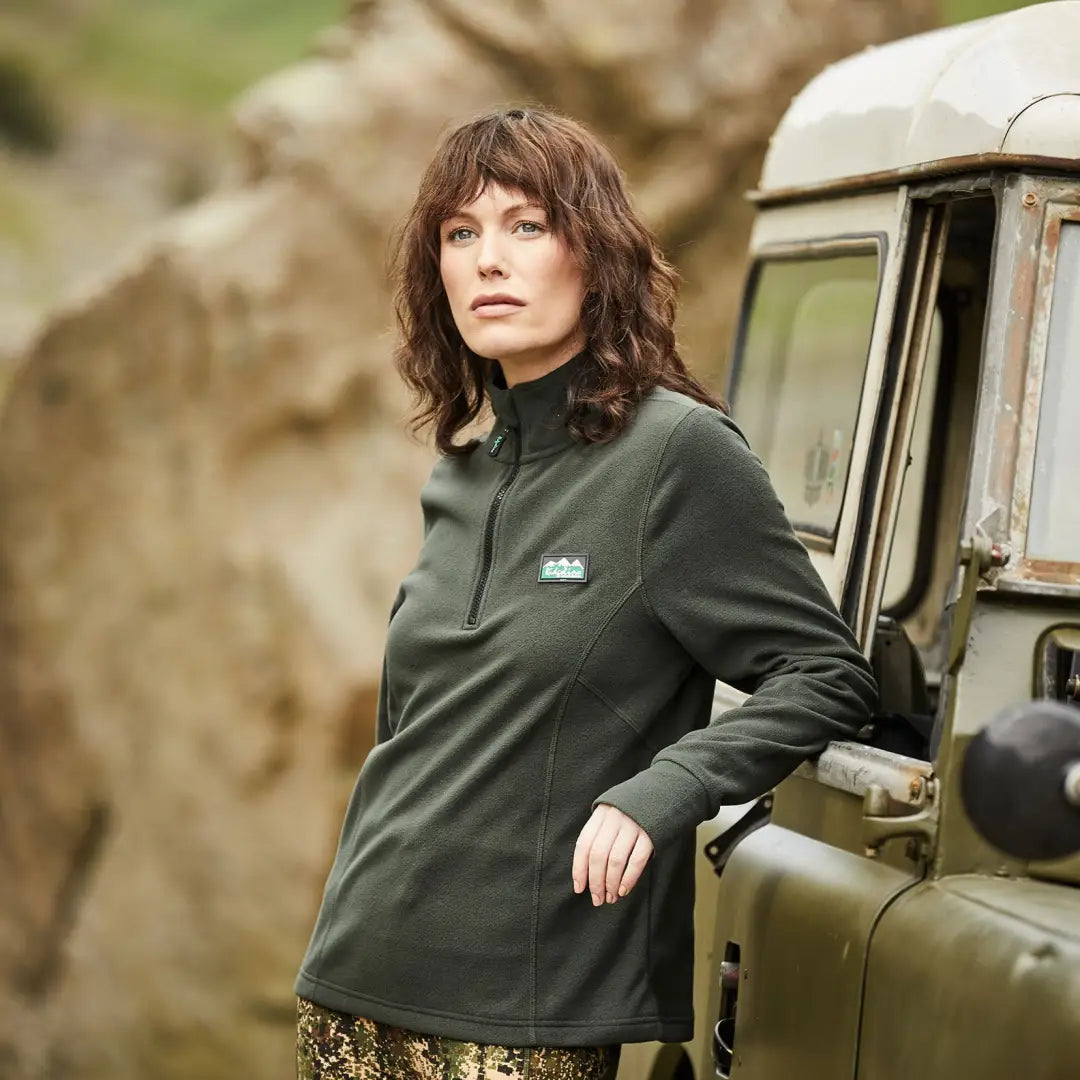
494 305
496 309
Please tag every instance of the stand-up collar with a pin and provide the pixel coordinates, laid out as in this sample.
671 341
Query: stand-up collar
536 409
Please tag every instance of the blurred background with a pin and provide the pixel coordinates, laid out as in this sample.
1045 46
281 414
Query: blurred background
207 495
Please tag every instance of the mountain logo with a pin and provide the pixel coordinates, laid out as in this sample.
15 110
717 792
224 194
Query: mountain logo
570 567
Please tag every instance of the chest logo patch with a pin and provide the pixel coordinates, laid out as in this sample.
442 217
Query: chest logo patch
570 567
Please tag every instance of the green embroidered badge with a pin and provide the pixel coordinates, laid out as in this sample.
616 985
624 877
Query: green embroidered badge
569 567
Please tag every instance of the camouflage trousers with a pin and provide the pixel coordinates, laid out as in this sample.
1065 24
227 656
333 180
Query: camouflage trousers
335 1046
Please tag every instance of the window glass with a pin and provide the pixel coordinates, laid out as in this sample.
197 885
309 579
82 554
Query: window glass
903 557
799 377
1054 525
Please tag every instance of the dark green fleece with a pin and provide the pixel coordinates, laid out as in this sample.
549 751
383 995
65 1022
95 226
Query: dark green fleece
515 698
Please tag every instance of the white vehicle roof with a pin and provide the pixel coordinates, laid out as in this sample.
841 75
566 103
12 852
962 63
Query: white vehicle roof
1005 89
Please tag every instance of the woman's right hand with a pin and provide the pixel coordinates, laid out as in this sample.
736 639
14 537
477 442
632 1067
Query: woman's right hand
610 854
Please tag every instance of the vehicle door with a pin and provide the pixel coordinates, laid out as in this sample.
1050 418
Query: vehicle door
838 319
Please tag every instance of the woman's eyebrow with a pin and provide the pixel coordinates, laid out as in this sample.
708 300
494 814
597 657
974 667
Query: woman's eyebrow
518 207
457 215
515 208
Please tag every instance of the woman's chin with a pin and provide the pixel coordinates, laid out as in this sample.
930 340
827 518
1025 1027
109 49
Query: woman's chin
503 346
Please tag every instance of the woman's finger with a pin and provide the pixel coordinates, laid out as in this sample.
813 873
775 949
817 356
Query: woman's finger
621 848
583 846
635 864
598 856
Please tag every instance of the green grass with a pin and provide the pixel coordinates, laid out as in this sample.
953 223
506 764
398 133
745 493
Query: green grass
180 57
175 63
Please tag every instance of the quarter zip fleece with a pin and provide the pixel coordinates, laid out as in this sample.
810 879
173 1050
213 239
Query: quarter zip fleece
511 705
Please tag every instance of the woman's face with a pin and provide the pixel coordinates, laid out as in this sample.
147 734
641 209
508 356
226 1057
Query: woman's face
515 289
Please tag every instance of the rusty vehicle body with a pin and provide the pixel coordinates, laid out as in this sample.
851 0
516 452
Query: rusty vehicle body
908 368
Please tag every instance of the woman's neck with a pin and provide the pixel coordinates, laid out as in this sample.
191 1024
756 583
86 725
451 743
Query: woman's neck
526 368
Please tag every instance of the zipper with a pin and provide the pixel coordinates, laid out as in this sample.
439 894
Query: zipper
489 529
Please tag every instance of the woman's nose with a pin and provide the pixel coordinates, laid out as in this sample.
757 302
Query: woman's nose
490 258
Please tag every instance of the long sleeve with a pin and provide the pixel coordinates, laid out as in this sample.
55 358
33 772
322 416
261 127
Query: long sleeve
723 571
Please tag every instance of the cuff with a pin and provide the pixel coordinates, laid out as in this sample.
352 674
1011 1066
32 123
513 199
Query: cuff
665 799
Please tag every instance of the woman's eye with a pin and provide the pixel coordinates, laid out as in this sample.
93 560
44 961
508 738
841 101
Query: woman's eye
461 233
529 227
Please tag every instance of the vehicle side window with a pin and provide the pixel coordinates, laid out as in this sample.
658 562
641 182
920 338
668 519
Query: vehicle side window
1054 528
798 375
903 560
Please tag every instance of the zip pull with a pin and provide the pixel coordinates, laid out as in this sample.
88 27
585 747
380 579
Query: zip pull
496 446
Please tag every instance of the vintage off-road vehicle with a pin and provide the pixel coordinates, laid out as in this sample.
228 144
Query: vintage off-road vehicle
907 366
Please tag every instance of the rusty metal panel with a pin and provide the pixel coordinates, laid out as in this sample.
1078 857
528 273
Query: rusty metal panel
974 164
1052 573
1028 401
1013 355
1058 211
1012 292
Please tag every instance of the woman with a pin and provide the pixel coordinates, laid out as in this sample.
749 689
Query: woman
513 889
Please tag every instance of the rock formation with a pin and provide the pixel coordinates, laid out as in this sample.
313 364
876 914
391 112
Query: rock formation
207 500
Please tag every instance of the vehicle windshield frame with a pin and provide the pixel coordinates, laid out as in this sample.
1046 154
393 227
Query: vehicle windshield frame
1056 368
1015 351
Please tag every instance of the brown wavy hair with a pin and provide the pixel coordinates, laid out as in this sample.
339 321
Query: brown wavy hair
631 291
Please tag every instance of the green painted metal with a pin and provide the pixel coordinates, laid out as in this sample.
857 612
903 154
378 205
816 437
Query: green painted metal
802 913
975 977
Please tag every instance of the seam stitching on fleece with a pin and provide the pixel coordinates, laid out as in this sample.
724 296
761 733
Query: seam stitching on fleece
645 516
649 937
549 781
502 1022
605 700
686 769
